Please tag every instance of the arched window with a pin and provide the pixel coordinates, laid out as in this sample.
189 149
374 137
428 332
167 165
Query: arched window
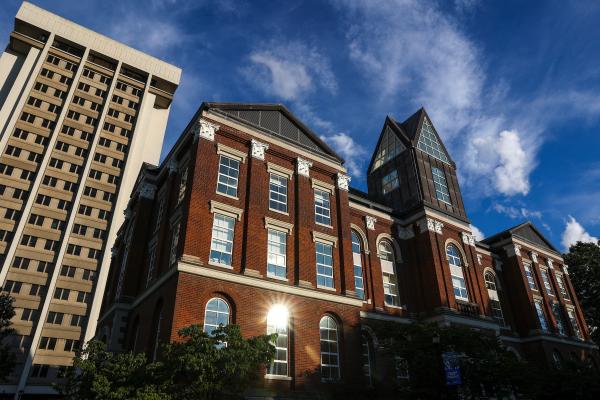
456 271
359 285
388 270
278 322
330 362
215 314
366 359
492 288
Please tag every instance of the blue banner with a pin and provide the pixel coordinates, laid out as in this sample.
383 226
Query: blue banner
451 362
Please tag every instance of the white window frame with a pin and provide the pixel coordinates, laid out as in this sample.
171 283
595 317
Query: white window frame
227 183
359 281
539 309
546 281
322 199
276 259
222 316
281 328
320 248
329 325
278 193
225 241
456 263
561 286
529 275
391 291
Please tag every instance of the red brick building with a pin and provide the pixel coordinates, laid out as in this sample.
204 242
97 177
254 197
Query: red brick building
250 220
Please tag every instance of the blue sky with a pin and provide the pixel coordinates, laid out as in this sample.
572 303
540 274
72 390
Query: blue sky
512 87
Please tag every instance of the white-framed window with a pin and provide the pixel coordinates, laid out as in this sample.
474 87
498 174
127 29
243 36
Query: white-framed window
277 322
174 243
529 276
359 285
561 286
330 361
539 309
456 272
441 187
216 313
388 271
390 182
221 247
557 312
227 181
495 305
276 253
324 255
278 193
574 323
547 284
322 207
366 359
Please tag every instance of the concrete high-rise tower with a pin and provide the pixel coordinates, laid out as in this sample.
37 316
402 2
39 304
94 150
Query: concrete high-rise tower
79 114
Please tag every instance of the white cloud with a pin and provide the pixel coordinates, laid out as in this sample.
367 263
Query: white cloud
514 212
512 173
479 235
574 233
352 152
162 38
290 71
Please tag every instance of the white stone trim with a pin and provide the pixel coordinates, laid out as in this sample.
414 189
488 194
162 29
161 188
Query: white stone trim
343 181
231 152
282 226
429 224
324 238
303 166
534 256
205 129
363 237
266 284
279 170
257 149
370 222
225 209
327 187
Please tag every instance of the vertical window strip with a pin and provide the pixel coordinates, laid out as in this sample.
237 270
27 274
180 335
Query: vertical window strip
541 317
279 326
324 254
456 272
388 270
529 276
357 262
574 324
559 320
227 181
278 193
322 207
276 253
441 187
546 280
221 247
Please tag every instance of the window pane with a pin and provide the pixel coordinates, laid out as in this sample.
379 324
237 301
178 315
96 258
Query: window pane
216 313
441 188
330 369
278 193
276 253
222 239
227 180
358 273
324 265
322 207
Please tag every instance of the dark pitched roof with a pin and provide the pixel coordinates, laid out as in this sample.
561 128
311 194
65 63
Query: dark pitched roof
525 231
411 124
276 120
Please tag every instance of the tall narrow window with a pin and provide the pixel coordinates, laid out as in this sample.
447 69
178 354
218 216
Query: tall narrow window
215 314
330 363
547 284
366 359
182 185
529 276
174 243
359 285
388 271
322 207
276 253
441 188
221 247
278 193
227 181
159 317
539 309
557 312
495 305
561 286
574 324
390 182
277 322
324 254
456 272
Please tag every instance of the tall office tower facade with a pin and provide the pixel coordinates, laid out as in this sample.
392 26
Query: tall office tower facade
79 115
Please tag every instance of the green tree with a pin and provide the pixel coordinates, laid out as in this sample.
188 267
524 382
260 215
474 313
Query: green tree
583 260
7 356
486 366
199 366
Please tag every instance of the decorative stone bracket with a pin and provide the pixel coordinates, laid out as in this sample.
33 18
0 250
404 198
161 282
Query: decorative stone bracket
343 181
303 167
428 224
205 129
258 149
370 221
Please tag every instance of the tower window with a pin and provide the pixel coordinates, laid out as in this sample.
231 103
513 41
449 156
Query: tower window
390 182
441 188
429 143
